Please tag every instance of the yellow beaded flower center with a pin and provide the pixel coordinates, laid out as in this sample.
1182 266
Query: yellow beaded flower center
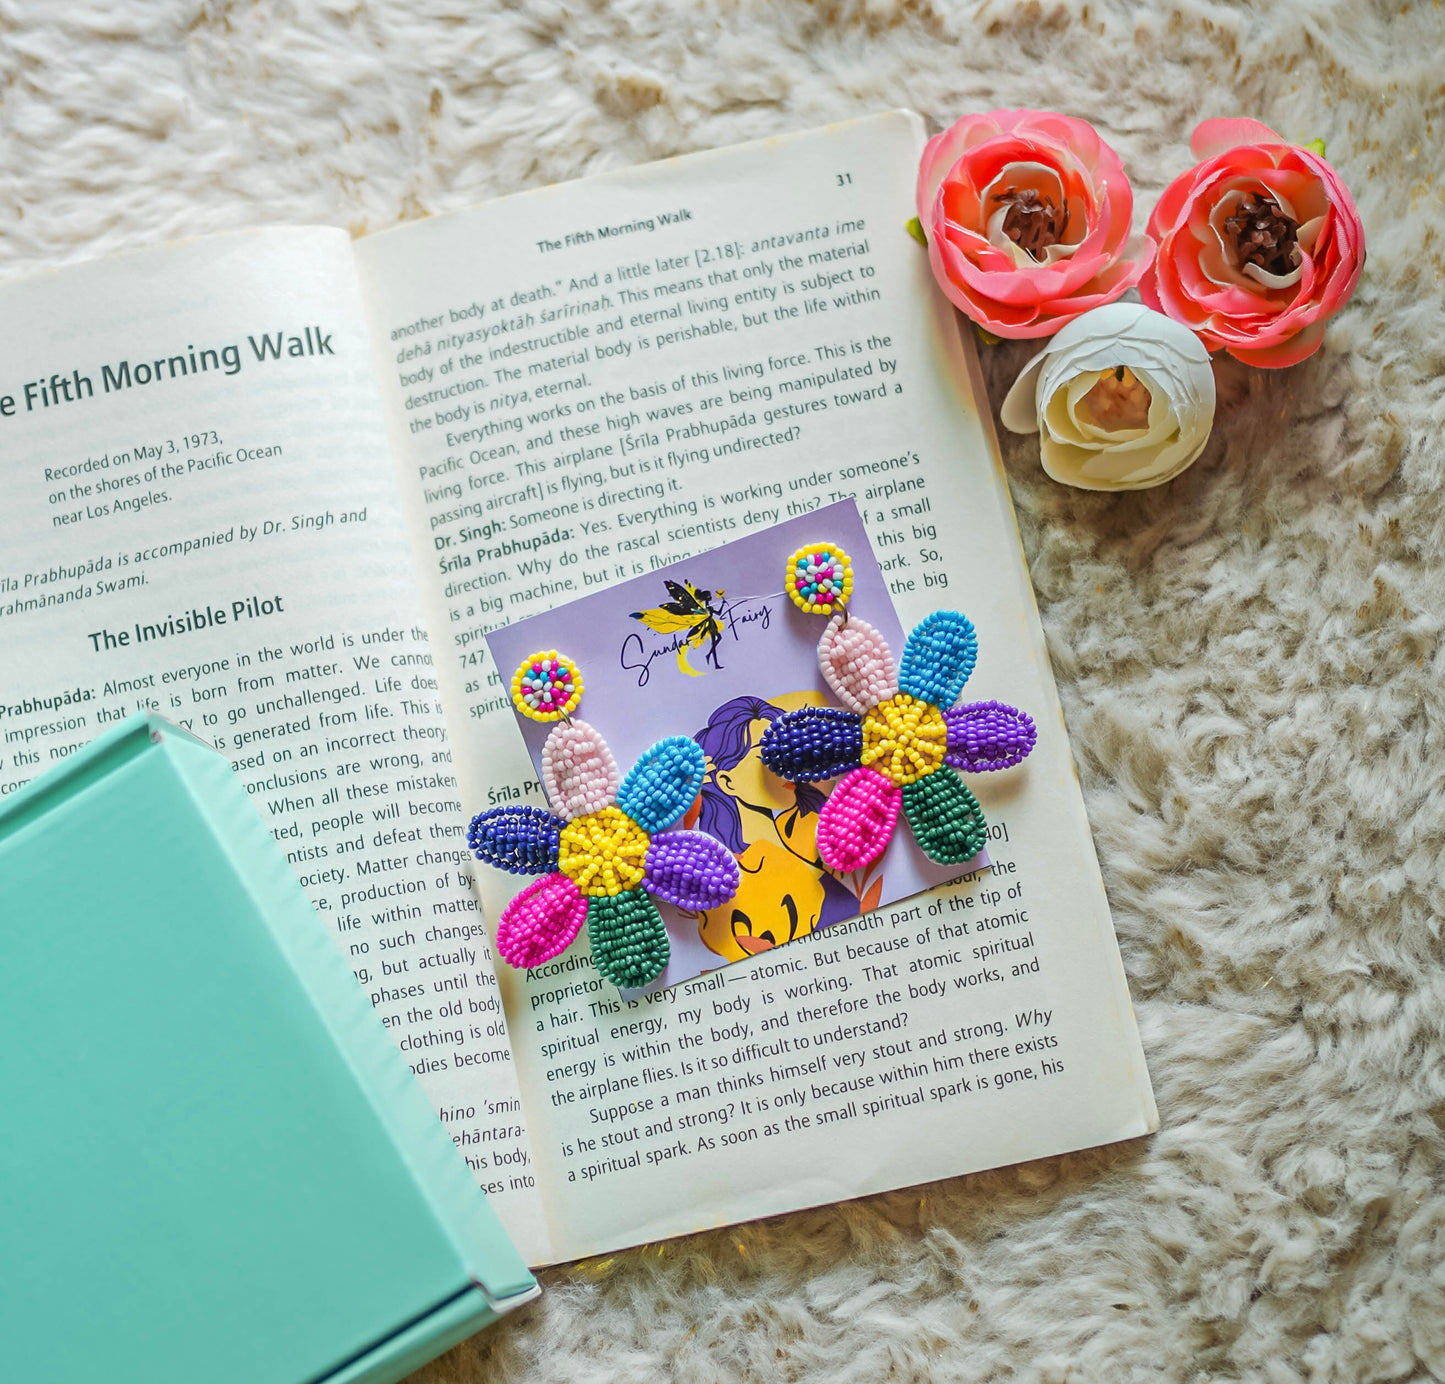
603 853
904 739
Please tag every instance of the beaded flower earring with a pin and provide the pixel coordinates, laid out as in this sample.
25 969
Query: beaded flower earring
606 851
899 732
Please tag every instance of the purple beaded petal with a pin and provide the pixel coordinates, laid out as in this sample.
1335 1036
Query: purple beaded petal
690 870
813 743
988 735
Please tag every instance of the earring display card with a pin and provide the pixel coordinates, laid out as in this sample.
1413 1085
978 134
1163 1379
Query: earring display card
215 1163
712 648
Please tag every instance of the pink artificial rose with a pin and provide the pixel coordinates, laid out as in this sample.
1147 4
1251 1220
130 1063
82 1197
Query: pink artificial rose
1258 245
1027 215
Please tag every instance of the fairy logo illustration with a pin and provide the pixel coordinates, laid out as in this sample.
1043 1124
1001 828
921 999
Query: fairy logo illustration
693 617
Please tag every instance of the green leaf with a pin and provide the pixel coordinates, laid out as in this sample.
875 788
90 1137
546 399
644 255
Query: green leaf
1315 146
915 229
986 336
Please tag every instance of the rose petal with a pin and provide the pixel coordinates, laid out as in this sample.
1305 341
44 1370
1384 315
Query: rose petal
1172 208
1289 352
943 151
1164 285
999 285
1231 300
1217 136
999 318
1018 413
1267 319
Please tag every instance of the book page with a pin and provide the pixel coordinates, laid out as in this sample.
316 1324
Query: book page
589 381
201 516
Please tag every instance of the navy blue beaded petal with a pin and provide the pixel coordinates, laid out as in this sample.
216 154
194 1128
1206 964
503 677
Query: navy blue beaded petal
812 743
520 840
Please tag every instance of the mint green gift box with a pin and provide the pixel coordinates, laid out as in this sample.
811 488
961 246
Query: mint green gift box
215 1166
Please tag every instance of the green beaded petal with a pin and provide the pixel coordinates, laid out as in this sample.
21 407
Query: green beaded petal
946 819
629 942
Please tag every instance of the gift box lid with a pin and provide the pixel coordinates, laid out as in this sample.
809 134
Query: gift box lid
214 1162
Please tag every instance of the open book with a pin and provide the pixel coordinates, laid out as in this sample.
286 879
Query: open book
279 486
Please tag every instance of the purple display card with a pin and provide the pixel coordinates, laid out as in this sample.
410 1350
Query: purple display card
720 676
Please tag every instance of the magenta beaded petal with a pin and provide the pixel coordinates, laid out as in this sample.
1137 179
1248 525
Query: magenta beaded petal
578 771
856 823
541 921
690 870
857 664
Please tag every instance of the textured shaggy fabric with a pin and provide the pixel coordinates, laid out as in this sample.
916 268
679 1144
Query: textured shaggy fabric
1250 658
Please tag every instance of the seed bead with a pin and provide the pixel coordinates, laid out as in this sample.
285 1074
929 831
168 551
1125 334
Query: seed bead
603 853
857 821
986 736
690 870
904 738
819 578
812 743
857 663
578 770
938 657
546 686
629 942
519 840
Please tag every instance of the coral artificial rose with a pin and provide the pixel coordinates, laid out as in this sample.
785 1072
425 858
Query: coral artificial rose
1123 399
1258 244
1027 215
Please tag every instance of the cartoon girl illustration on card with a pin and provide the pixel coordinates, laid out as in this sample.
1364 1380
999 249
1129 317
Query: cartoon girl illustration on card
785 890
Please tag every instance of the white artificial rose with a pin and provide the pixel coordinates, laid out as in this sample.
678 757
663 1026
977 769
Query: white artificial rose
1122 398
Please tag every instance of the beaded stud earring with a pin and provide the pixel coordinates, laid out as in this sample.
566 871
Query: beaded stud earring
606 851
900 731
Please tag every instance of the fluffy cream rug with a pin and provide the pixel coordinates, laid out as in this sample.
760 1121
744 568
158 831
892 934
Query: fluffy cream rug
1250 658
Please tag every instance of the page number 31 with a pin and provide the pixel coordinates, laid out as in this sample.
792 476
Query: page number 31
844 179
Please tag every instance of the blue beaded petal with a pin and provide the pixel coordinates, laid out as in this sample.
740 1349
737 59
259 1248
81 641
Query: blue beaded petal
661 786
520 840
938 657
813 743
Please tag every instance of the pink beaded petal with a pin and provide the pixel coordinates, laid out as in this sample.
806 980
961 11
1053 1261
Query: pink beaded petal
857 821
857 664
578 771
541 921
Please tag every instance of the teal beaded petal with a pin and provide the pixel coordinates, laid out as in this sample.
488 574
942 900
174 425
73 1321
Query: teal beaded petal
661 786
946 818
629 942
938 657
